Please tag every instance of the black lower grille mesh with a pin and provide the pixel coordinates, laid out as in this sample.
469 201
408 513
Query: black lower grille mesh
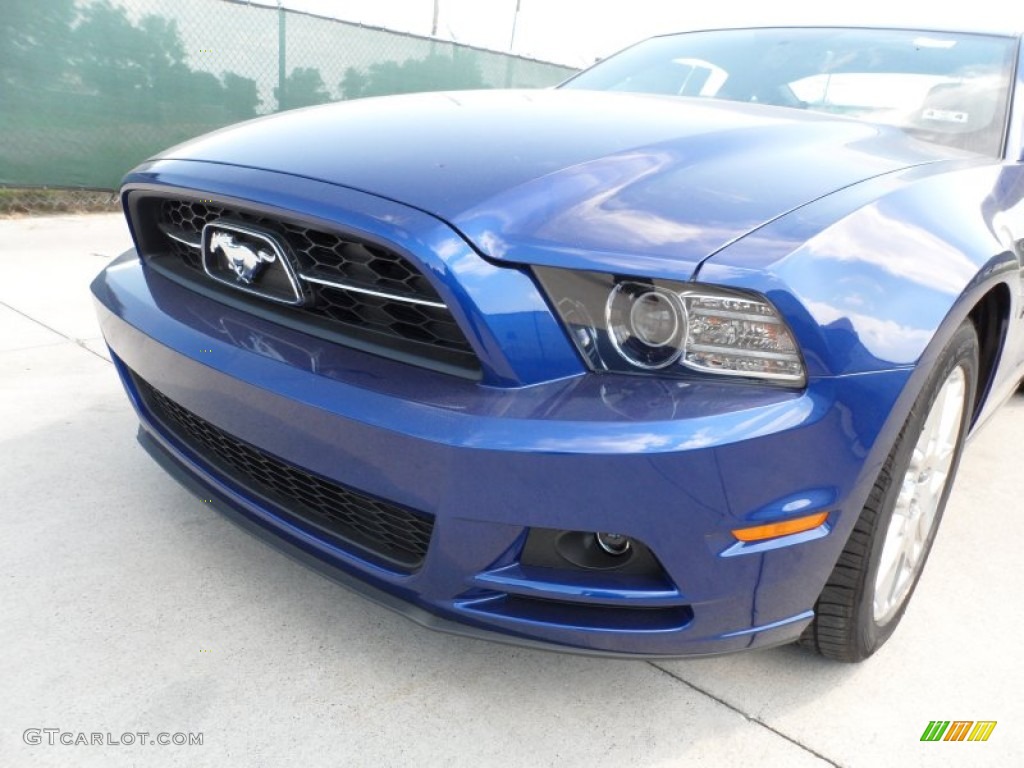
391 532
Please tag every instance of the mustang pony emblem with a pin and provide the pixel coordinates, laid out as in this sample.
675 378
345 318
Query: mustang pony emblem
244 261
238 256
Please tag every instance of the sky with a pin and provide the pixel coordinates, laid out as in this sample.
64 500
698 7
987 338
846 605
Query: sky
577 32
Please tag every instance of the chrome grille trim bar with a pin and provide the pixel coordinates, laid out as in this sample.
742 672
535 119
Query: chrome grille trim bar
185 238
371 292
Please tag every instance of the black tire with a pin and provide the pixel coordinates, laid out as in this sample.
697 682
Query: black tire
844 626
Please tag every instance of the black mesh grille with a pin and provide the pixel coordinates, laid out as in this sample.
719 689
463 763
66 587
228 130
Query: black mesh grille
400 317
393 533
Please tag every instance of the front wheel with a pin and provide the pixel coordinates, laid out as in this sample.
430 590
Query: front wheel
869 588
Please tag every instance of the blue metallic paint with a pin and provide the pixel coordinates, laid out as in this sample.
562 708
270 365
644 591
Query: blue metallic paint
540 442
656 187
504 316
475 491
880 278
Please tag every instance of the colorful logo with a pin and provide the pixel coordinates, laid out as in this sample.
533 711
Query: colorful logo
958 730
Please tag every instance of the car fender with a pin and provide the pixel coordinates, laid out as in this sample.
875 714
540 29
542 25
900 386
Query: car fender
879 275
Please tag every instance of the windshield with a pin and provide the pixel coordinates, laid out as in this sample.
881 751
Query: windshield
950 89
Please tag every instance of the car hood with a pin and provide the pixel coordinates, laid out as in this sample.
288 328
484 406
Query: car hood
615 181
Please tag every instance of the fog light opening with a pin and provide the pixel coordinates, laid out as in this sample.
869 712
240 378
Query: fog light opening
615 544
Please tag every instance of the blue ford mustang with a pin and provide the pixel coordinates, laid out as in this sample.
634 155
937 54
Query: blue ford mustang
678 358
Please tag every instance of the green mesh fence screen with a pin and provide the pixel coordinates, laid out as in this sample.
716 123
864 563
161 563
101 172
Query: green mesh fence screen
89 88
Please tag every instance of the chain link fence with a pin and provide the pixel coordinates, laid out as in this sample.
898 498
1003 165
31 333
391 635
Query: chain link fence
20 201
90 88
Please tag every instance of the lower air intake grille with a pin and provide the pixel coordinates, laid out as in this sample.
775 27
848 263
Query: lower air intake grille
390 532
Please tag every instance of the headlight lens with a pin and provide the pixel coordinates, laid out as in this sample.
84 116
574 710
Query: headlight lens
647 325
672 327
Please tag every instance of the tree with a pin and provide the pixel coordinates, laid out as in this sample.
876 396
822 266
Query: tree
354 84
434 72
304 87
241 96
35 40
87 91
113 56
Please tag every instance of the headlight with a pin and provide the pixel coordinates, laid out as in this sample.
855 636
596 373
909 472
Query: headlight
646 325
636 325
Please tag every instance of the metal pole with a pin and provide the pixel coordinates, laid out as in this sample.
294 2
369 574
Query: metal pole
282 69
515 18
437 9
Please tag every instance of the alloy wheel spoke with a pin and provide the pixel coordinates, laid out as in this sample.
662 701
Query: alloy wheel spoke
917 504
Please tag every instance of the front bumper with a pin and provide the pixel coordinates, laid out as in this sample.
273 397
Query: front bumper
675 465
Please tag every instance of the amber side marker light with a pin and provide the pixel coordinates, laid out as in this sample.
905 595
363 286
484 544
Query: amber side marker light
773 530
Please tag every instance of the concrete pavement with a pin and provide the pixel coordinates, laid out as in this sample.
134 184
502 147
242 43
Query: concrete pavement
127 606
